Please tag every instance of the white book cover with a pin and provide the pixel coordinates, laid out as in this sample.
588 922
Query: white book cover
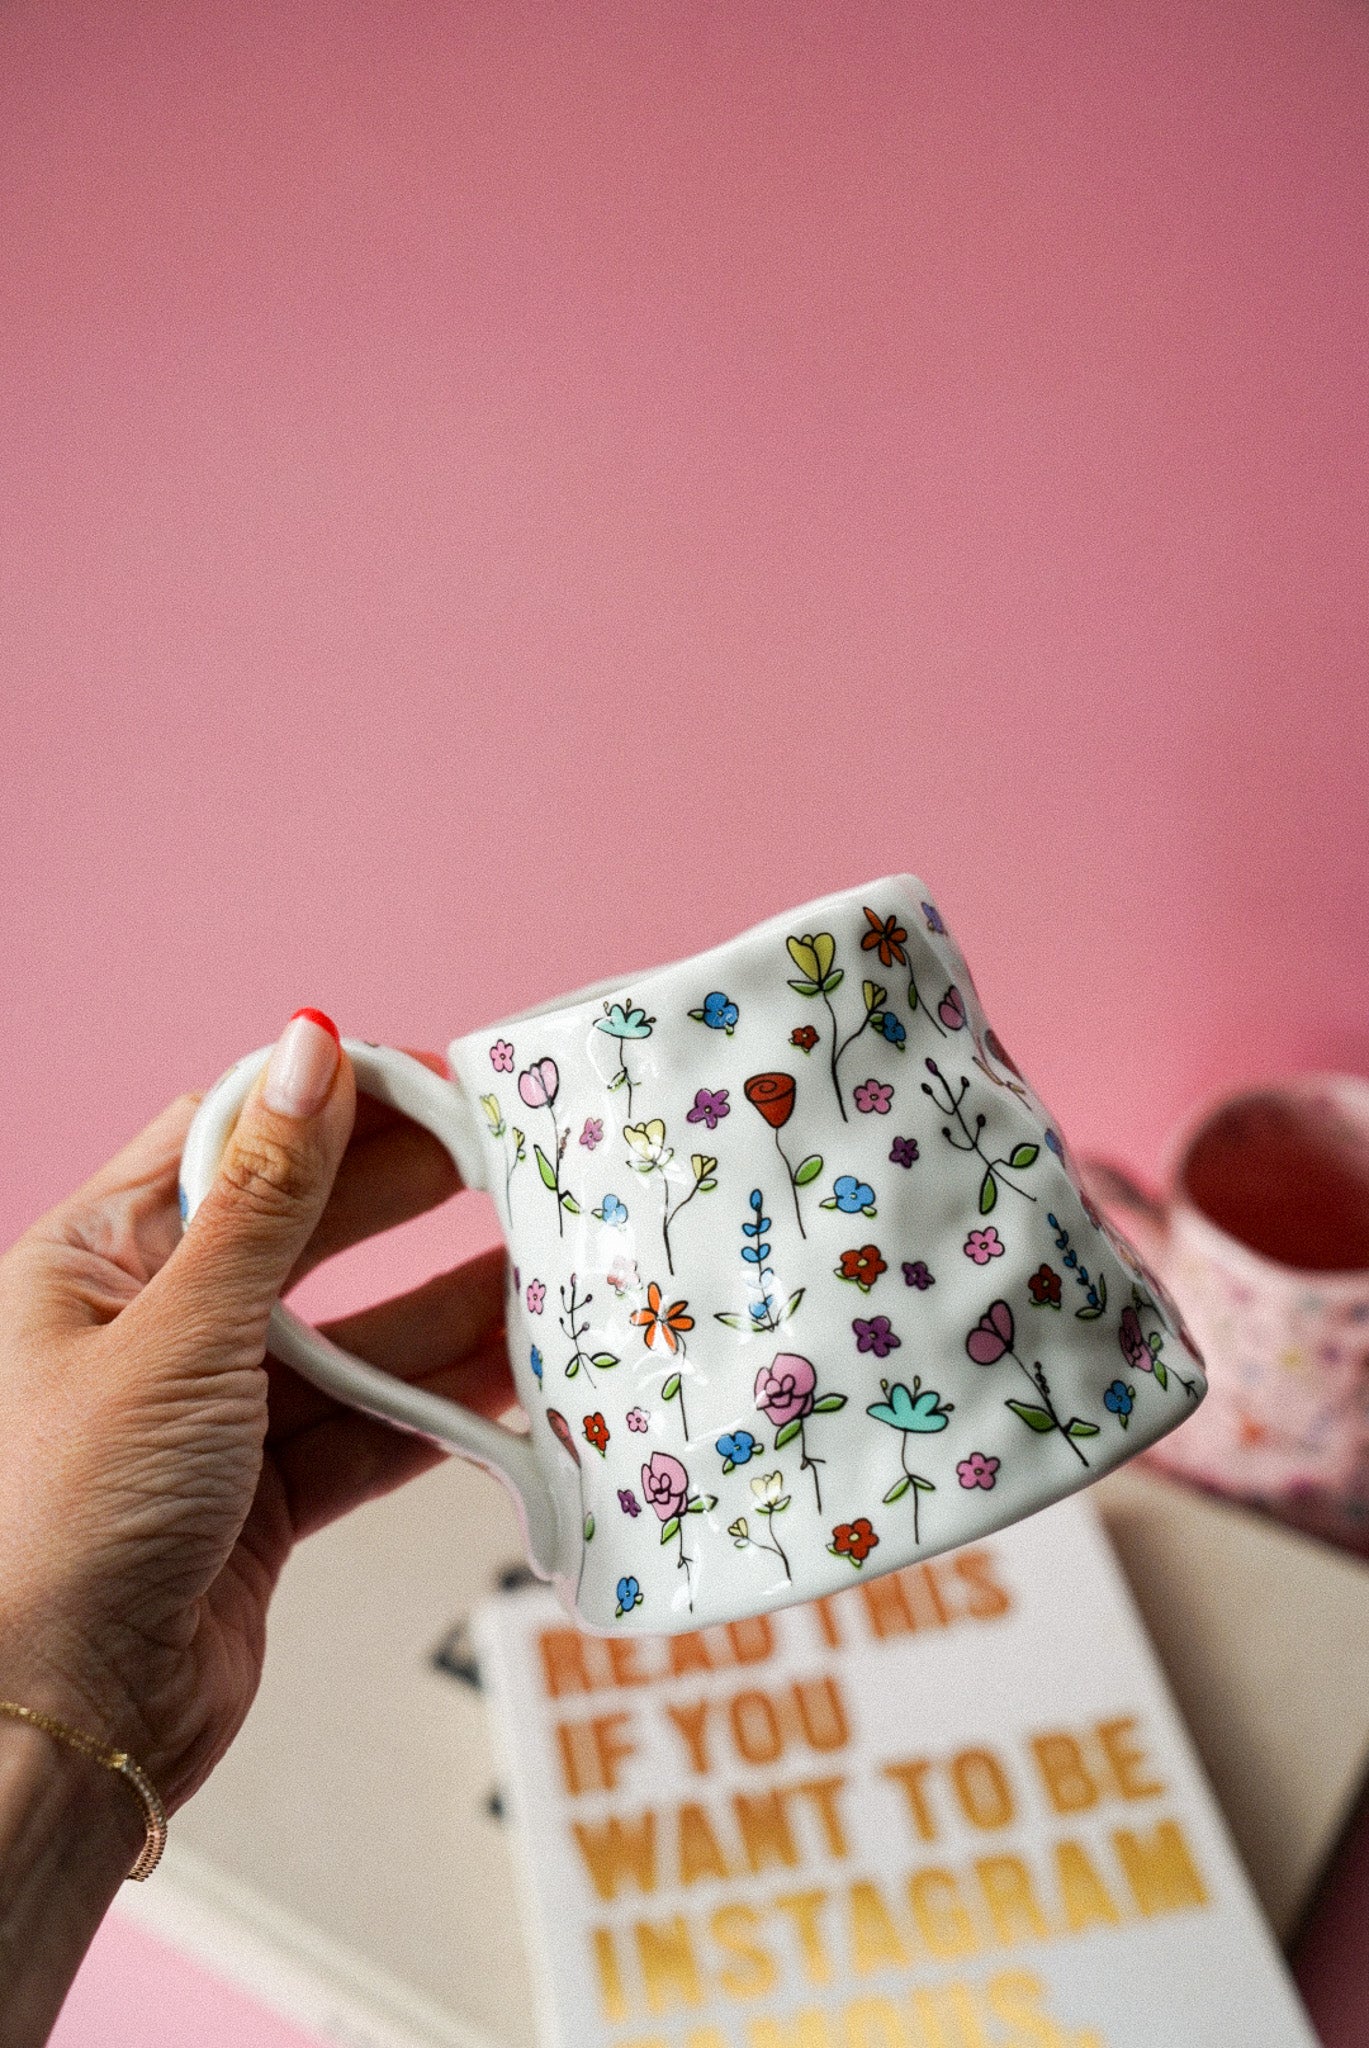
951 1807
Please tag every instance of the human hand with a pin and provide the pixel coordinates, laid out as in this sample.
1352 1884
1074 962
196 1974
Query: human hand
155 1466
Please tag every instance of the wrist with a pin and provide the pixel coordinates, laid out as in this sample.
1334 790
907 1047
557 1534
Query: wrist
69 1833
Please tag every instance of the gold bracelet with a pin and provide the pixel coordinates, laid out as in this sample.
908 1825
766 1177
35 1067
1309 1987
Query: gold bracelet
149 1856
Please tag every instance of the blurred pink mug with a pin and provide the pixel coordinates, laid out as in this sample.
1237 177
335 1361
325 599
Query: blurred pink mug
1263 1241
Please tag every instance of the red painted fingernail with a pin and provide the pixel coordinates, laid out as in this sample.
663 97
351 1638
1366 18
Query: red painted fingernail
319 1017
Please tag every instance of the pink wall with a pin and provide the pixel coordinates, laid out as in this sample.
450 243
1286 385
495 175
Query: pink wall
493 494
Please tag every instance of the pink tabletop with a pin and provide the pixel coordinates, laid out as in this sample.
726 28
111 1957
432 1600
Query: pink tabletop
493 495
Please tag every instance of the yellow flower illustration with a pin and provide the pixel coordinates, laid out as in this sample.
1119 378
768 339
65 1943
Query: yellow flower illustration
813 955
769 1487
648 1142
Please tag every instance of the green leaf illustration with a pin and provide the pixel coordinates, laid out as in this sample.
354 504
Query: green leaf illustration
829 1404
897 1490
795 1298
545 1167
572 1368
833 981
1102 1291
697 1015
670 1528
620 1078
1076 1426
1083 1315
1035 1418
604 1359
800 988
988 1192
807 1169
1023 1155
671 1387
703 1504
787 1434
729 1465
569 1203
589 1528
734 1322
1162 1376
923 1485
707 1186
775 1507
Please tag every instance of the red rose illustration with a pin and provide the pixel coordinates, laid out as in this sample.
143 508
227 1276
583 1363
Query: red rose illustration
773 1096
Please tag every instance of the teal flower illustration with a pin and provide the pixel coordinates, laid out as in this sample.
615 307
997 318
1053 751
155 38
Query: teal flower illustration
915 1411
623 1021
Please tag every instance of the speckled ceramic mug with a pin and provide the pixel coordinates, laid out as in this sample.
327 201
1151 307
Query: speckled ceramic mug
1263 1235
802 1283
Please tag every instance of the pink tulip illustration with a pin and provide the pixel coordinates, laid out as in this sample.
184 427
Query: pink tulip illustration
538 1085
992 1339
951 1009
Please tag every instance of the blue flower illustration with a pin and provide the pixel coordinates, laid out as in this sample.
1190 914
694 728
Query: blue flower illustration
892 1029
719 1012
1119 1400
629 1596
1053 1144
933 917
737 1450
923 1413
537 1365
611 1210
620 1022
853 1197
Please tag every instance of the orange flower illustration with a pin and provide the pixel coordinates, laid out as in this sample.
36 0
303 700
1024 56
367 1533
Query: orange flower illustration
662 1328
888 935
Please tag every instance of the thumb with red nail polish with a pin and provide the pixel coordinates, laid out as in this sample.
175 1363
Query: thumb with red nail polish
274 1179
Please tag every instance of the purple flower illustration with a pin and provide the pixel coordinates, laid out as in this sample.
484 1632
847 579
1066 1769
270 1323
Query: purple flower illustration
628 1502
874 1097
537 1294
983 1245
709 1105
915 1274
903 1151
501 1056
933 917
637 1420
593 1133
875 1335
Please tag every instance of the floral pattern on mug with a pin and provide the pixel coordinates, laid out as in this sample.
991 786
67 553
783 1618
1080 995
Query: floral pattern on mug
983 1145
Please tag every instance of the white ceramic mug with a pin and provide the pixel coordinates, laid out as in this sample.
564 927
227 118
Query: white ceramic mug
801 1280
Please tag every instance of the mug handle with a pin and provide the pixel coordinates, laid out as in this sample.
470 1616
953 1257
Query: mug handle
407 1085
1145 1216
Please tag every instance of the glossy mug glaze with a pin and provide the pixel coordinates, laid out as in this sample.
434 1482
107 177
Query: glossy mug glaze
802 1283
